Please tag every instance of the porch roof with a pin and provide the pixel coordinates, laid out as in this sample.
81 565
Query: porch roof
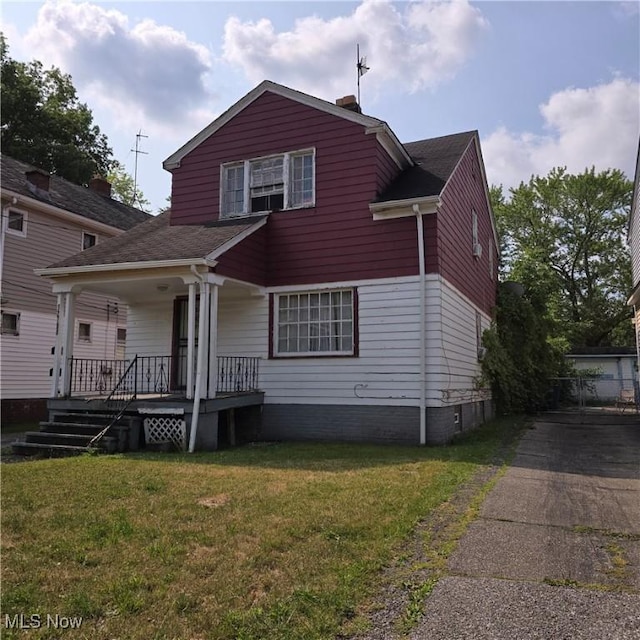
158 241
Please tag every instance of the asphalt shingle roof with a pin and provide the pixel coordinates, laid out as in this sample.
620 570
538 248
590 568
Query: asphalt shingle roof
157 240
435 159
70 197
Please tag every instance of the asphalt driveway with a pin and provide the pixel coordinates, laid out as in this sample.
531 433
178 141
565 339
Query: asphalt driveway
555 553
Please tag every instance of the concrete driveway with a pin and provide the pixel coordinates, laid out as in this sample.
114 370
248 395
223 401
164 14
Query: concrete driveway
555 553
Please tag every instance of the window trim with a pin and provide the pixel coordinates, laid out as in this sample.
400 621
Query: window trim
287 168
15 232
79 338
7 332
121 341
274 305
86 234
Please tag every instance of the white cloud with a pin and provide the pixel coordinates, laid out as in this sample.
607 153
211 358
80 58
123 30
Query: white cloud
415 46
597 126
143 73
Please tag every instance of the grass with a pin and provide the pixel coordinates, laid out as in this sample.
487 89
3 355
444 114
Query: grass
280 542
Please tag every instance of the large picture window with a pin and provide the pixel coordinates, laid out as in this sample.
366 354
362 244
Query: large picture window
315 323
284 181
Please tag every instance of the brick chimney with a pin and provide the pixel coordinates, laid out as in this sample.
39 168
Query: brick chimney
101 186
350 103
38 178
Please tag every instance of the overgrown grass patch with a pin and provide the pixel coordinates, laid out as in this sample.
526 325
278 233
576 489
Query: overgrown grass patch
281 541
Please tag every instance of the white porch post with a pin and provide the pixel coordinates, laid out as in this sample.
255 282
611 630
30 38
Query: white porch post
191 338
201 362
213 342
68 326
57 352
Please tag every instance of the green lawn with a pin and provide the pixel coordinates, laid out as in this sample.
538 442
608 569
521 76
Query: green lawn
280 541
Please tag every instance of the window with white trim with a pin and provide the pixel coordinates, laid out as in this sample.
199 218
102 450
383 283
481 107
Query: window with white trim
84 332
88 240
315 323
16 223
121 336
284 181
474 229
11 323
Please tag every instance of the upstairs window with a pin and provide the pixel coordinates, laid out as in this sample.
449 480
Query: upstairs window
88 240
285 181
16 223
10 323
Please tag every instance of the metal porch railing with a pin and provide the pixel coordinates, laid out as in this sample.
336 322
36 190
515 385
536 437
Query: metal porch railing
154 375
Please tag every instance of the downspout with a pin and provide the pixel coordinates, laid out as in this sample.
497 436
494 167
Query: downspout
423 327
200 356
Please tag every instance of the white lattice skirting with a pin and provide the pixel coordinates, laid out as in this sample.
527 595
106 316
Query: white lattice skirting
161 429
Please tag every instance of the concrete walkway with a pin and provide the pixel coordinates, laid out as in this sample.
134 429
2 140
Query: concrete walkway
555 553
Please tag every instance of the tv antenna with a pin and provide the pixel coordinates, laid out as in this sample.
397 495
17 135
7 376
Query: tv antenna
135 170
361 66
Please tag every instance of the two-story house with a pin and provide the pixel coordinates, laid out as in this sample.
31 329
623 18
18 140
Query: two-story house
45 219
313 264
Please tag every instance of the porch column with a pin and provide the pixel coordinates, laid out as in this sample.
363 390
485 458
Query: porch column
191 338
213 342
202 364
57 352
68 326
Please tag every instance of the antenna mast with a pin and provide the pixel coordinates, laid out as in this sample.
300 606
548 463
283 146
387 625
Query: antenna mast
135 170
361 68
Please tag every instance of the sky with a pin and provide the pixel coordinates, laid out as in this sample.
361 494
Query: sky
545 83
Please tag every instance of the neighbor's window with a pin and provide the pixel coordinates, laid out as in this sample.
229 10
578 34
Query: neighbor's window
17 223
88 240
10 323
84 331
315 323
121 335
284 181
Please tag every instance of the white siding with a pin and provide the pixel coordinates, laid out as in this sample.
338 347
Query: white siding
452 354
386 371
27 358
149 329
634 239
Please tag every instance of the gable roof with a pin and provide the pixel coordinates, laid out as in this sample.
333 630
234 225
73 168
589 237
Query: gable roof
373 125
157 241
434 161
70 197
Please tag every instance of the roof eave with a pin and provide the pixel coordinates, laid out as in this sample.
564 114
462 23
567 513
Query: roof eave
173 161
52 272
65 214
404 208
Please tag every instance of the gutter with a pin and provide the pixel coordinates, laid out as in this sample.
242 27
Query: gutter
423 326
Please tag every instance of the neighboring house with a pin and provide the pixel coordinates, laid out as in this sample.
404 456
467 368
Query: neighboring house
613 369
311 264
634 243
45 219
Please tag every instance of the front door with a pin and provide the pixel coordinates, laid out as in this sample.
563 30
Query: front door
181 341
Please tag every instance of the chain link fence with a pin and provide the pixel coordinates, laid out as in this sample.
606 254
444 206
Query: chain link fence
607 394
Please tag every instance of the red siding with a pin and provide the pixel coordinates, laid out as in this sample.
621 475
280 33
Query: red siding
247 261
335 240
456 263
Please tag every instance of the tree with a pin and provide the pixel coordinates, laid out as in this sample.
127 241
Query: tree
45 125
563 237
124 190
521 357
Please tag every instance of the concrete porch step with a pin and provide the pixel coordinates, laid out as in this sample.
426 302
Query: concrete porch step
107 443
48 450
